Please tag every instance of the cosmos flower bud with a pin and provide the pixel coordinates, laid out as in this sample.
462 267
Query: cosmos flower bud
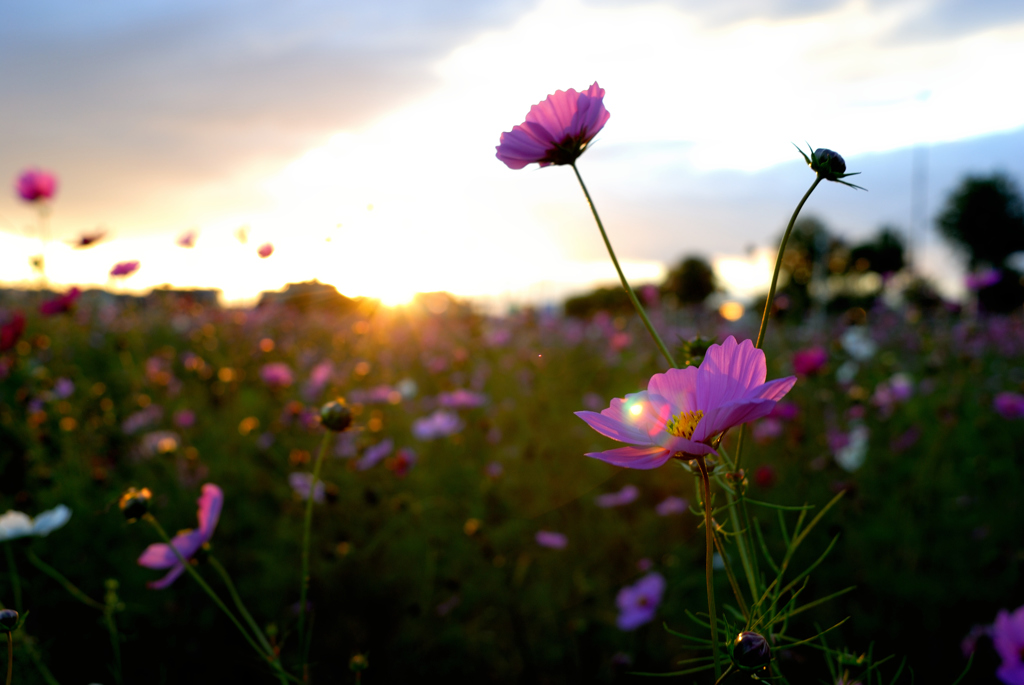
134 503
8 620
358 663
751 651
829 165
335 415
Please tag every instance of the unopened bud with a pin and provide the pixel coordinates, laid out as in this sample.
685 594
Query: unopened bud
335 415
134 503
828 163
8 620
751 651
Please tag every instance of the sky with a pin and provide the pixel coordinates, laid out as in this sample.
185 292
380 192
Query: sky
358 138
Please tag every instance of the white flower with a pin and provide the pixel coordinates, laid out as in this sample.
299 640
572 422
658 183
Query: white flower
851 456
858 343
17 524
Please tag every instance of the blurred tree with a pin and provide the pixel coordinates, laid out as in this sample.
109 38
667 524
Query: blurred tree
883 254
612 300
984 216
692 281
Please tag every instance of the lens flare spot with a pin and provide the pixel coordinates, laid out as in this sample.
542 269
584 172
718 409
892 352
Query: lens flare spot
636 409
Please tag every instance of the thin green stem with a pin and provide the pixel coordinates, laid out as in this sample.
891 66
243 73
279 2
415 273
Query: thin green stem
622 277
778 261
67 584
741 546
306 530
115 643
213 595
222 572
15 578
709 562
10 657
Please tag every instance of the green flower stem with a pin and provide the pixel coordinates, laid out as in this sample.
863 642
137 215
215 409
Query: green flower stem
15 578
708 562
67 584
741 546
115 643
306 528
771 292
778 262
10 657
222 572
622 277
213 595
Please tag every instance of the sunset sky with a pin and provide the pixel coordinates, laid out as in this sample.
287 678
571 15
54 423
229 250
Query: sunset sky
359 138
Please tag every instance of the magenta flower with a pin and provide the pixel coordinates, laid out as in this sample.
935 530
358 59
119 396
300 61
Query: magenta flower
982 279
277 375
36 185
187 542
617 499
1009 405
556 131
1008 639
188 238
461 399
437 425
684 410
125 268
265 250
810 361
671 505
60 304
11 327
638 603
551 539
374 454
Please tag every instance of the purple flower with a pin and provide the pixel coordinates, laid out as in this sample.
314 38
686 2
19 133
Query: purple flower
373 455
1009 405
551 539
184 418
318 379
1008 639
461 399
36 185
60 304
143 418
11 328
402 463
63 388
125 268
671 505
809 361
638 603
437 425
982 279
276 375
300 482
684 410
494 469
556 131
187 542
617 499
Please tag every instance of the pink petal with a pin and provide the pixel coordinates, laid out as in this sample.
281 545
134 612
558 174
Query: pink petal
676 445
168 579
773 390
159 555
619 423
678 386
722 419
728 372
210 503
634 457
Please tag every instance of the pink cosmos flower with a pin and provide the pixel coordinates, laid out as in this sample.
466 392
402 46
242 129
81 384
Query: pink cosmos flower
125 268
187 239
36 185
60 304
265 250
188 542
684 410
982 279
461 399
437 425
617 499
374 454
638 603
556 131
1009 405
1008 638
277 375
11 328
551 539
810 361
671 505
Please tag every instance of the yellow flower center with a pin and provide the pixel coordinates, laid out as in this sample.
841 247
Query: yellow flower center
682 426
